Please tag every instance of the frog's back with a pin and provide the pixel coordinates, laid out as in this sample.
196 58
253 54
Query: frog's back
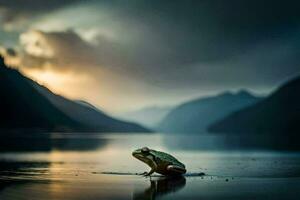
168 158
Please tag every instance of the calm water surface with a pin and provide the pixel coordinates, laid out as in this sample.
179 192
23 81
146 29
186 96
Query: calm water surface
70 166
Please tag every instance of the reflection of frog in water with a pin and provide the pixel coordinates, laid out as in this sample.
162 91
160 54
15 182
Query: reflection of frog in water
160 187
159 162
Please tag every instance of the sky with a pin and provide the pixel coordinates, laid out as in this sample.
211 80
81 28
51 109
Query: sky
124 55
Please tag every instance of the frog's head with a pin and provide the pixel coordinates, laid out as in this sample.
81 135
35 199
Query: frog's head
144 155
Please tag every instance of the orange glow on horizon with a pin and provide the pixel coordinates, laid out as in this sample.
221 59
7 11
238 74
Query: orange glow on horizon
55 81
111 93
72 85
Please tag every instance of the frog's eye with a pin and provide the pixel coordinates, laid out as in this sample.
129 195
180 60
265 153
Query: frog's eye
145 150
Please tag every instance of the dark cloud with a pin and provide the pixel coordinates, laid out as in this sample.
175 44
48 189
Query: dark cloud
182 45
212 29
59 49
16 11
215 42
64 50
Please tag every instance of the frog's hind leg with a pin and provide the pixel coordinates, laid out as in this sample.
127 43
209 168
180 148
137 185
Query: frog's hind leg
176 169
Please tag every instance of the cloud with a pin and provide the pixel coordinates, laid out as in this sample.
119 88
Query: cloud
59 51
65 51
172 48
16 13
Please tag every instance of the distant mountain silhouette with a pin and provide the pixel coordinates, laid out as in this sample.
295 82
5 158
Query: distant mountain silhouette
26 105
88 114
149 116
278 113
195 116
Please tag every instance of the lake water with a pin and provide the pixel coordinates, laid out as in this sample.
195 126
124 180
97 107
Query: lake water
100 166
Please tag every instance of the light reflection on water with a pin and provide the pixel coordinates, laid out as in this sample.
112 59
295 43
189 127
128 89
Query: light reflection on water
69 166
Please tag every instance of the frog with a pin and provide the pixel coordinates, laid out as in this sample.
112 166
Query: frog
159 162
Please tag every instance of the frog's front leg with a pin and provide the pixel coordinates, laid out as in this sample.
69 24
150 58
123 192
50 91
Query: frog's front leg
149 173
153 168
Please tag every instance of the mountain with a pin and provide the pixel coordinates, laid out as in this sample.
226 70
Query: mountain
89 115
195 116
279 113
149 116
26 105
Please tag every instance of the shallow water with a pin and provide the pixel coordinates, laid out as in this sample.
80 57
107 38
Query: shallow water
100 166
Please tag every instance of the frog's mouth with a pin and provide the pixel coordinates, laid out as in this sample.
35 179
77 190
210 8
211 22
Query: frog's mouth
136 155
139 157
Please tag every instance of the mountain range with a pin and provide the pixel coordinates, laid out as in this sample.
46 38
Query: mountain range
26 105
195 116
278 113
